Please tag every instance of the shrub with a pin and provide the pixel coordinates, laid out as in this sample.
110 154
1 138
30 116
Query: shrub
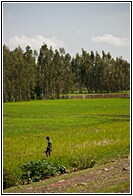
38 170
8 179
82 162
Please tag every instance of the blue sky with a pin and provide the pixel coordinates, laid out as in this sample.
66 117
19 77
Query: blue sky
91 26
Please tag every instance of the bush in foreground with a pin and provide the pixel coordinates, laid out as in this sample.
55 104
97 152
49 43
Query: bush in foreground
39 170
8 179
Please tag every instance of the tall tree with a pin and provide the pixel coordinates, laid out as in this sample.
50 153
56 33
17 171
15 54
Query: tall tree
19 73
107 73
30 72
86 70
45 72
76 69
68 75
57 73
8 74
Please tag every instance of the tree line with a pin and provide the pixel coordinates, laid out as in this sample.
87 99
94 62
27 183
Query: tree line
50 74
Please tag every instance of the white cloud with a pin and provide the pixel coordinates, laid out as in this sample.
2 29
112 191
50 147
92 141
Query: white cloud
35 42
110 39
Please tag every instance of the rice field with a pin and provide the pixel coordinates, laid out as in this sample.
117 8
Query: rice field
80 130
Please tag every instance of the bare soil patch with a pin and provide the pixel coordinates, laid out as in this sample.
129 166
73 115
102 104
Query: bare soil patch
101 95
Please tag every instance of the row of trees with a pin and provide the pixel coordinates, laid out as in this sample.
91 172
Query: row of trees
28 75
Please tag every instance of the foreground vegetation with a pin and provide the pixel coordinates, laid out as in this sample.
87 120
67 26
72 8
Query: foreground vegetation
102 178
80 130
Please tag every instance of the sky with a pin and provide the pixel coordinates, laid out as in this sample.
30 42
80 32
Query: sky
91 26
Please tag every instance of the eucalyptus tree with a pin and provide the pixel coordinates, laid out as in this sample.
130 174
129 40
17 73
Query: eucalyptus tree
121 75
86 70
98 71
92 71
126 75
45 71
29 73
76 70
58 73
68 75
8 74
19 74
107 72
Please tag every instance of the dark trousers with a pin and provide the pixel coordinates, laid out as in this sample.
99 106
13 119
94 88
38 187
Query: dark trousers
48 151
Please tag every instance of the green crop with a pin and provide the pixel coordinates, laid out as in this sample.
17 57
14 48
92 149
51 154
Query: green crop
82 132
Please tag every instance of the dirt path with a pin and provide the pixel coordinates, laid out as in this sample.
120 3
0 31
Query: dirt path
112 177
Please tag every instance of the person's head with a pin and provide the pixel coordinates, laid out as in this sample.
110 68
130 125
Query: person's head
48 138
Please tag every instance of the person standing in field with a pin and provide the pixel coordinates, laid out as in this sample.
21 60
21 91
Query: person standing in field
49 147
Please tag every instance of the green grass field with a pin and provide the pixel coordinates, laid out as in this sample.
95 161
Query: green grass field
80 130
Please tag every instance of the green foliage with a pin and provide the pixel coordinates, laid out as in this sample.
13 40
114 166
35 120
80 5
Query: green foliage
8 179
82 161
18 74
38 170
55 74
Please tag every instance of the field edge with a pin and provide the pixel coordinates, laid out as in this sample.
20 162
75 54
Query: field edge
111 177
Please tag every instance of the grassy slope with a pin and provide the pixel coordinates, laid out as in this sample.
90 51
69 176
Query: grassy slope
97 128
103 178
